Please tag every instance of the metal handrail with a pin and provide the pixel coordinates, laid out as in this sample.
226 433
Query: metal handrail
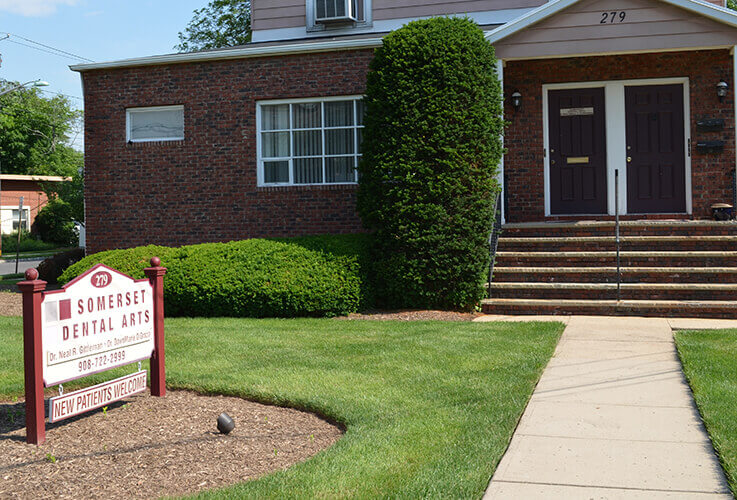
494 238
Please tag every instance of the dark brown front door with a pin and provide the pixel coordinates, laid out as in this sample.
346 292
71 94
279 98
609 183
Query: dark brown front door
656 161
577 151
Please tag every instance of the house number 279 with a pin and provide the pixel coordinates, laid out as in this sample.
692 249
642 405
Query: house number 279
613 17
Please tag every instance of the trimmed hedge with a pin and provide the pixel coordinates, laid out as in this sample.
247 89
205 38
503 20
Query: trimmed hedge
311 276
432 142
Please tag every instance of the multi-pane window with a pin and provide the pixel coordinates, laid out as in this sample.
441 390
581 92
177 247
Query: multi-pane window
310 142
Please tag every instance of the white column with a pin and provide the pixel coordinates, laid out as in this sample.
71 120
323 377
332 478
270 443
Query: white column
616 141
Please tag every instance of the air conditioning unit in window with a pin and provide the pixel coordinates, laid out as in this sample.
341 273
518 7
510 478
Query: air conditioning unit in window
335 11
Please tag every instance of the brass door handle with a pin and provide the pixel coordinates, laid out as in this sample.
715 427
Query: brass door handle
629 159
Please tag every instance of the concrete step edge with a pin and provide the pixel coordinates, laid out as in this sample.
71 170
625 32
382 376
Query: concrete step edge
608 269
626 253
612 239
686 304
626 223
613 286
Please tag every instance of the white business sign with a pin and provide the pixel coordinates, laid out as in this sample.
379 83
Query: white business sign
75 403
100 320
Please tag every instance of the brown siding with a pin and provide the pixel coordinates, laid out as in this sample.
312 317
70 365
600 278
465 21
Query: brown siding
272 14
391 9
648 25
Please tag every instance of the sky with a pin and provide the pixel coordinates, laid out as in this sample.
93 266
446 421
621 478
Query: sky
99 30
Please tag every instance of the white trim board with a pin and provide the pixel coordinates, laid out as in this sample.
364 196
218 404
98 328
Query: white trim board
616 136
233 53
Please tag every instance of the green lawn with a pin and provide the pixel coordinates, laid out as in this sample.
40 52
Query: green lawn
429 407
710 362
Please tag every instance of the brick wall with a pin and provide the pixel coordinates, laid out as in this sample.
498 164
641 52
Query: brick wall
711 173
33 197
204 188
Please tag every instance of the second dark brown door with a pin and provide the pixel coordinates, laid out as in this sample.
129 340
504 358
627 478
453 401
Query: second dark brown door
577 151
656 166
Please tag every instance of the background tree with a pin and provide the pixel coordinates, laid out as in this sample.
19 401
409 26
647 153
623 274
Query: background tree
428 174
223 23
35 133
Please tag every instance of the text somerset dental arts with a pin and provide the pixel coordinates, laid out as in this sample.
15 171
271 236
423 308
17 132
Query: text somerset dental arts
106 303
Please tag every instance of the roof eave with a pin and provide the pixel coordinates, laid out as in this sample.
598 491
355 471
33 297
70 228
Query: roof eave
241 53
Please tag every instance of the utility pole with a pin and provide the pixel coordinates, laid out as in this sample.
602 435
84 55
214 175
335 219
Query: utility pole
20 228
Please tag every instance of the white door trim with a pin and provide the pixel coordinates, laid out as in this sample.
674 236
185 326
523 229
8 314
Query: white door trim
616 135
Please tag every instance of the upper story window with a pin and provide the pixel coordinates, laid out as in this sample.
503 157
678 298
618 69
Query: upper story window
309 141
326 15
158 123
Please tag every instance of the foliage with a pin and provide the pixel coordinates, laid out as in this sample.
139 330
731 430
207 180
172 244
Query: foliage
223 23
71 192
431 148
35 133
708 362
732 4
54 223
27 243
311 276
429 407
51 268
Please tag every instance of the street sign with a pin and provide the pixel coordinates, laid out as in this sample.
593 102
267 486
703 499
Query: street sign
91 398
101 320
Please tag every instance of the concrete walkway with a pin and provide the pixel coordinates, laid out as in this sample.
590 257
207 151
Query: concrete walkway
612 417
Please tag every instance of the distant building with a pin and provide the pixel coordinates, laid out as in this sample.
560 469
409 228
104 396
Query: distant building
12 187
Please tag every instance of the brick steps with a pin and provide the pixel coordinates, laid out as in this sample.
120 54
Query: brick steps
608 291
627 243
627 228
609 274
668 268
627 258
665 308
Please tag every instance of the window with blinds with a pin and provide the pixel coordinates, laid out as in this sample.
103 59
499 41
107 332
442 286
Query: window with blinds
310 142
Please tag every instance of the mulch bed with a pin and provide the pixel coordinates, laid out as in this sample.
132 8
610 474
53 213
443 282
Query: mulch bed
148 447
11 304
414 315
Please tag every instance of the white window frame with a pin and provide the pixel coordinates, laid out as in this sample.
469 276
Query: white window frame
313 26
146 109
8 223
357 155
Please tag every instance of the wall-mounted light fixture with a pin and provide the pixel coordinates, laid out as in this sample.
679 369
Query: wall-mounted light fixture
722 90
516 100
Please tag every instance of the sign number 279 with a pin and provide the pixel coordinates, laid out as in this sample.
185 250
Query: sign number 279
613 17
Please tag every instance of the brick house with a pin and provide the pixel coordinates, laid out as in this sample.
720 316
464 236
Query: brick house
614 106
12 188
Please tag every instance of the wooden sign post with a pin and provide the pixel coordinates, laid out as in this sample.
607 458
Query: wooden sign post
101 320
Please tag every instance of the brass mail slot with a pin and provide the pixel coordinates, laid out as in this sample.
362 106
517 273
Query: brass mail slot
577 159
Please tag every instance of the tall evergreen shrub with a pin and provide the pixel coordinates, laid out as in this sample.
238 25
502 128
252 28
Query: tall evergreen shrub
428 174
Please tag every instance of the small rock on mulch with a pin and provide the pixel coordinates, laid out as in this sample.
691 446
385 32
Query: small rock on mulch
149 447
